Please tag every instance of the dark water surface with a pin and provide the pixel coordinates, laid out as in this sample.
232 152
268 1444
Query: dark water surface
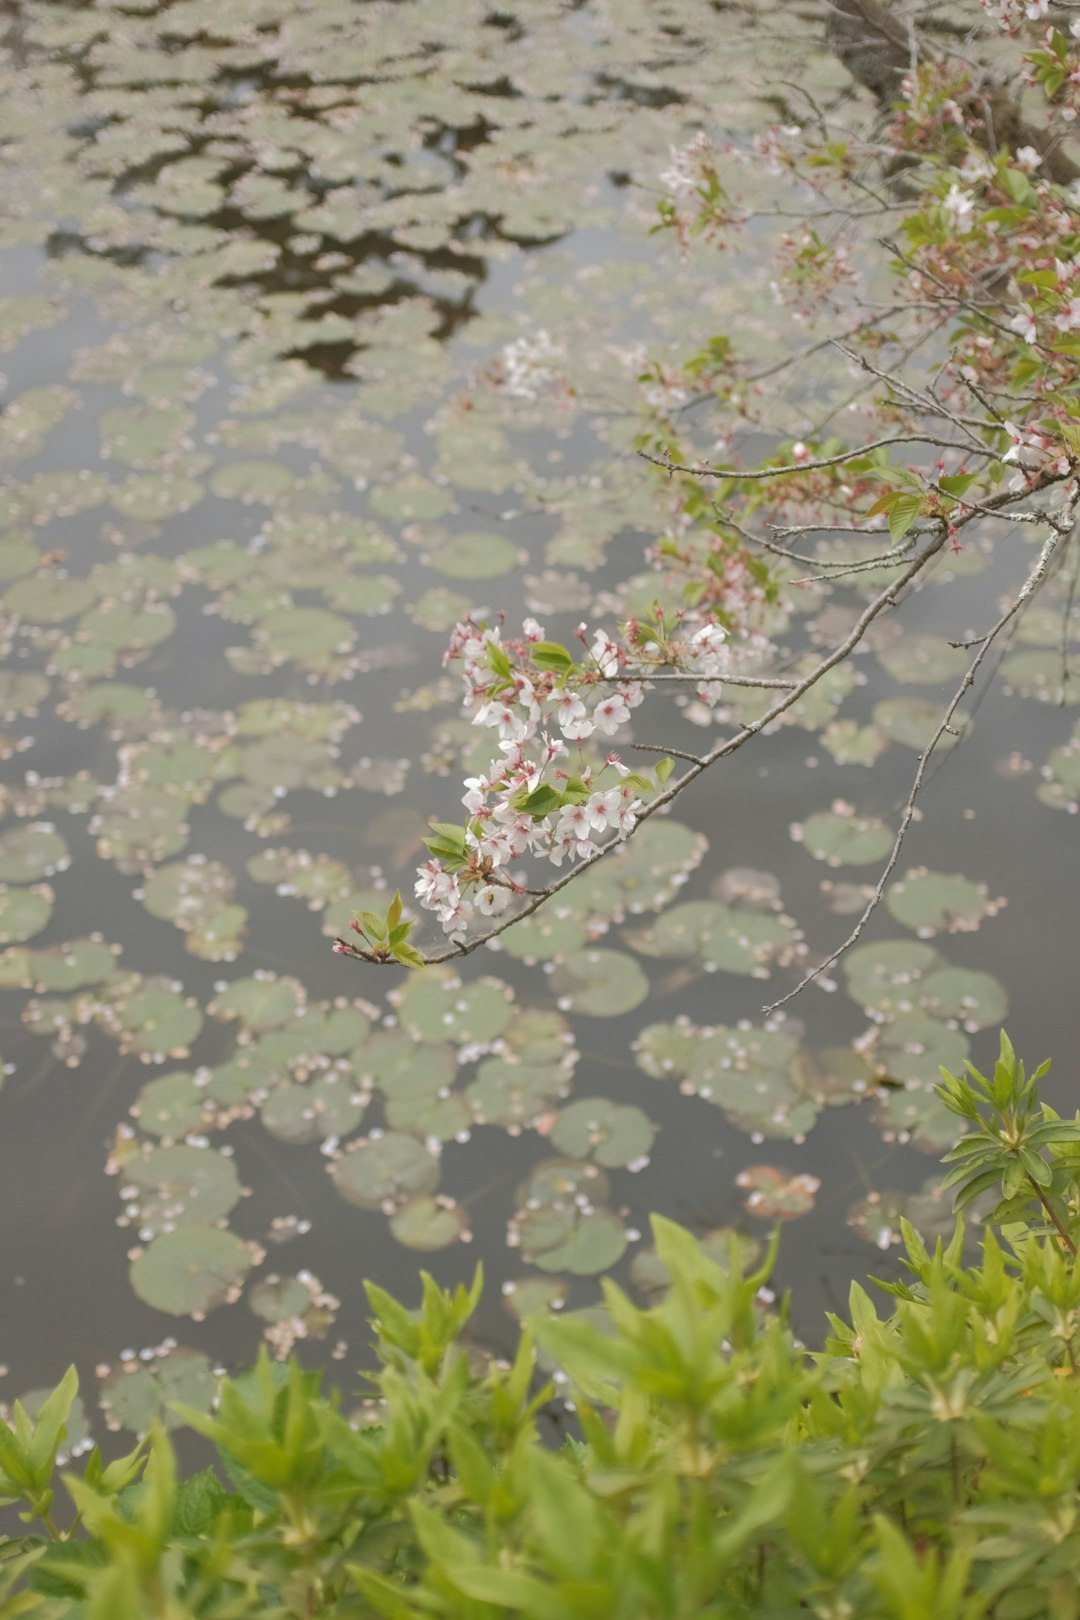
263 271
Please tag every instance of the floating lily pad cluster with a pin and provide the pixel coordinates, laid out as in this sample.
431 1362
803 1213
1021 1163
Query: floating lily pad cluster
272 427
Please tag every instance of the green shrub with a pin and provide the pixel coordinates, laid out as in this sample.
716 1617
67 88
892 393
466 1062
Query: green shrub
923 1466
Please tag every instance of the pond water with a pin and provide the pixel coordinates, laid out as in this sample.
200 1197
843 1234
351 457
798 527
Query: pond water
320 327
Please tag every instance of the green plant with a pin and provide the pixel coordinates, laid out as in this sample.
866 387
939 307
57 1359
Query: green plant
925 1465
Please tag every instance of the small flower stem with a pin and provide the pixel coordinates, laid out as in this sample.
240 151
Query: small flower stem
1054 1216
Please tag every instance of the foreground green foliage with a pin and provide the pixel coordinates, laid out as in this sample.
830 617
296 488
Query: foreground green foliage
924 1466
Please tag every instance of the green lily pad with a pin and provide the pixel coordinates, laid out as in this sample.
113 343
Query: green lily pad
135 1394
141 435
123 629
171 1186
413 500
601 983
474 556
915 1046
188 892
642 874
170 1107
152 497
24 912
583 1242
515 1095
933 902
611 1134
249 481
774 1194
279 1299
21 692
263 1001
884 978
382 1172
540 1035
976 1000
547 937
877 1217
49 598
218 937
852 744
924 659
430 1223
330 1106
526 1297
1060 789
309 636
155 1021
191 1271
915 1113
843 838
756 1077
109 703
666 1051
436 1006
71 966
140 826
1037 673
720 937
913 721
19 556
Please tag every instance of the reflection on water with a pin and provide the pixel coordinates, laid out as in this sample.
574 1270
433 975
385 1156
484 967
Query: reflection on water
268 272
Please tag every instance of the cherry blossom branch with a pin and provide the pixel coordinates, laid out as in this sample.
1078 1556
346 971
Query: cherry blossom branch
811 464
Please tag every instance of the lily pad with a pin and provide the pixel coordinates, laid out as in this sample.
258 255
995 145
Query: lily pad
173 1186
330 1106
936 902
155 1021
515 1094
914 721
429 1223
924 659
171 1106
583 1242
915 1113
71 966
475 556
884 978
436 1006
842 837
263 1001
721 937
191 1271
382 1172
248 481
136 1393
915 1046
49 598
601 983
24 912
30 853
852 744
974 999
610 1134
774 1194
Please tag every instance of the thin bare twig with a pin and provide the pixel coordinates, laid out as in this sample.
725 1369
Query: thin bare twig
945 727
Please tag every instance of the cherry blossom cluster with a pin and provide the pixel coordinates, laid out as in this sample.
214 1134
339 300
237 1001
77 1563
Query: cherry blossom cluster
528 365
1010 15
541 796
